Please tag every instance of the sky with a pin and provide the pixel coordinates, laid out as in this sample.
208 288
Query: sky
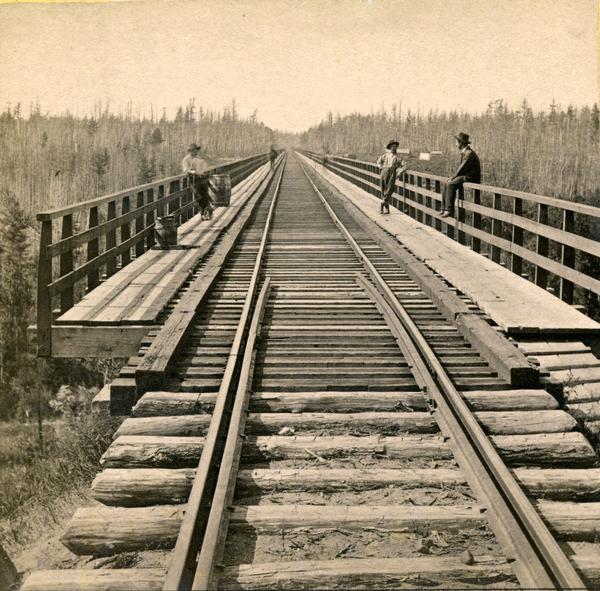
294 60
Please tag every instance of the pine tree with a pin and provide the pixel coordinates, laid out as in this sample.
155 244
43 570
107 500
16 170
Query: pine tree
16 299
156 137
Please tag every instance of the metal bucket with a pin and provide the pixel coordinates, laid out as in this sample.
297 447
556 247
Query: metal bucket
219 189
165 230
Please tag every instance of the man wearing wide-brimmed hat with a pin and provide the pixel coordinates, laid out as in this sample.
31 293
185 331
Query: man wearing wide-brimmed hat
469 171
390 166
192 161
196 166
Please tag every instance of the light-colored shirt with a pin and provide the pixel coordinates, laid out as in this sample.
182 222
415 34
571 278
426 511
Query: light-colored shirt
389 160
194 164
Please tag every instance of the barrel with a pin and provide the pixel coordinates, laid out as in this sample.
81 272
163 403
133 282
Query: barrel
165 229
219 189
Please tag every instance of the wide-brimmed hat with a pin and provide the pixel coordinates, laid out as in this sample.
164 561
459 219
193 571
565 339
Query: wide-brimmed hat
463 138
193 147
392 143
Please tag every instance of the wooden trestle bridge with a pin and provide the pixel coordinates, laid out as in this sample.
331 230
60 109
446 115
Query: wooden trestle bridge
318 396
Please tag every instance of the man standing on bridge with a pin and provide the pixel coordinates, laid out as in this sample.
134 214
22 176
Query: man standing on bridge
469 171
193 165
272 156
390 166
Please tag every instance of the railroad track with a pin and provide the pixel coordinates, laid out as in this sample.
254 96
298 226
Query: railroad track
313 420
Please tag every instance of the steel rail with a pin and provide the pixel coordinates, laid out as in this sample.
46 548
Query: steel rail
539 560
216 529
193 527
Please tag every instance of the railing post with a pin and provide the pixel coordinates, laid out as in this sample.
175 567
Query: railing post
125 233
428 218
516 262
187 199
174 204
567 257
150 239
111 239
448 223
496 228
161 208
475 241
139 224
460 218
541 246
66 263
411 197
419 200
437 224
93 278
44 300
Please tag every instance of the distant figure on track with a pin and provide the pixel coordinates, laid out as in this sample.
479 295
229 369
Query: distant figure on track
390 166
469 171
272 156
195 166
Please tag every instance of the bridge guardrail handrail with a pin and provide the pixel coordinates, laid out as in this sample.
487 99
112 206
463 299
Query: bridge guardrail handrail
501 219
112 228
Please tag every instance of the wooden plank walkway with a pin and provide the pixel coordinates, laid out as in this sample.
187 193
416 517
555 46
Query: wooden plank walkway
515 304
138 293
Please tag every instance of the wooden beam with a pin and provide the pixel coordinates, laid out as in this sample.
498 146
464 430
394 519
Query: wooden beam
104 531
101 342
416 572
119 579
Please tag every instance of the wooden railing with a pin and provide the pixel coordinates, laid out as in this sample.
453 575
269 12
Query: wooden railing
541 238
84 242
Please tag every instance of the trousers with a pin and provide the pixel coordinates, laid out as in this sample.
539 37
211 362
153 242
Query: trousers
202 195
388 184
453 188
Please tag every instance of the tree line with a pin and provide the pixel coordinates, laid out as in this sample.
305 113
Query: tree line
554 152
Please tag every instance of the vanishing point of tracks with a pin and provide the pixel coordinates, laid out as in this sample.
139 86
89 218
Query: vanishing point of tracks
309 419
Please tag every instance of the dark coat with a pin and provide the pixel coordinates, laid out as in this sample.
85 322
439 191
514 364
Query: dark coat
470 167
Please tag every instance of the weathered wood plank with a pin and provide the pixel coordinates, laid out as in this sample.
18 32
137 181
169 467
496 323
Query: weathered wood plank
265 518
373 573
501 423
140 487
535 348
578 376
141 451
558 449
510 400
585 411
572 521
525 422
101 342
304 447
567 361
102 531
173 403
561 484
552 449
583 392
121 579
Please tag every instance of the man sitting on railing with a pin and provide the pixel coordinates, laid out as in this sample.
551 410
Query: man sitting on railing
193 165
469 171
390 166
